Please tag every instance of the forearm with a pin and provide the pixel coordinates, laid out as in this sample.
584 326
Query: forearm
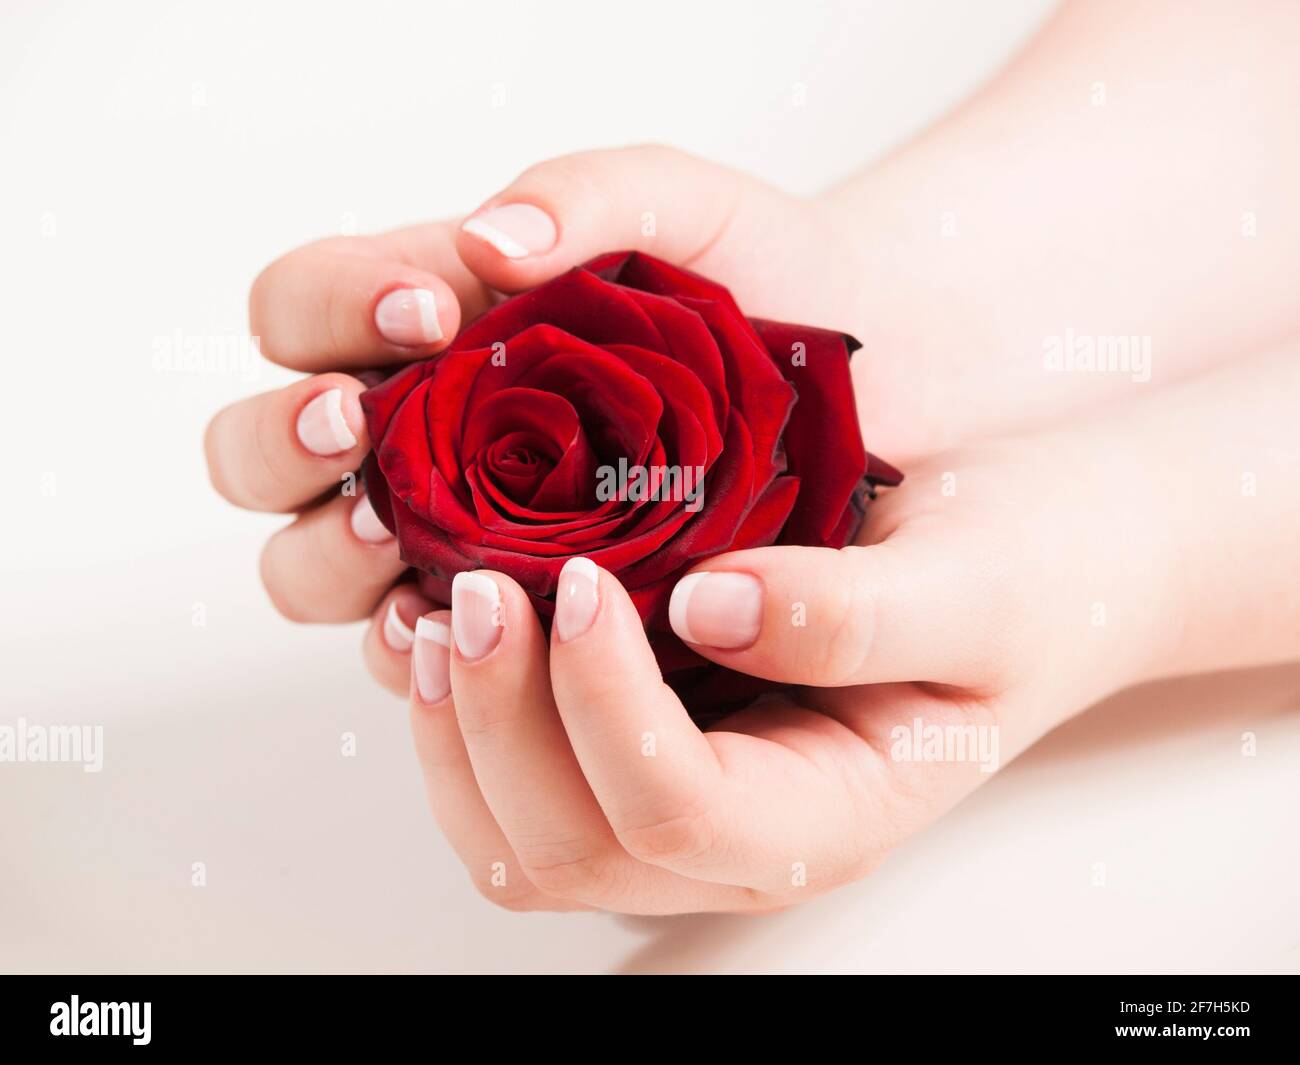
1131 174
1223 455
1197 567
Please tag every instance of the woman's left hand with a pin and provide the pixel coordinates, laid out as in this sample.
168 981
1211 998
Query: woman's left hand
571 776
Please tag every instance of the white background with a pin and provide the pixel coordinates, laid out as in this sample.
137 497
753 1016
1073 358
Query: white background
155 156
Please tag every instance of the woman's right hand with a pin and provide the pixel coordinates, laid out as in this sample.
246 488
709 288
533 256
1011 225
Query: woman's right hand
346 304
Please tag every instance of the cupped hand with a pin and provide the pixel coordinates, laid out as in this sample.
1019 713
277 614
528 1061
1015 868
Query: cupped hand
341 306
988 598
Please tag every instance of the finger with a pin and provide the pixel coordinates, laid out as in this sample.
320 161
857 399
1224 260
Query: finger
386 646
281 450
565 211
527 770
917 607
363 301
332 564
650 767
731 808
453 793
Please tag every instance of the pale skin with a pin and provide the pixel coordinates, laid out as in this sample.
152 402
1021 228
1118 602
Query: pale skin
1059 535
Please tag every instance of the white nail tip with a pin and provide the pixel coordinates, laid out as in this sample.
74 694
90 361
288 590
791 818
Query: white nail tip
397 634
332 404
432 629
322 429
503 242
477 584
428 309
583 567
677 604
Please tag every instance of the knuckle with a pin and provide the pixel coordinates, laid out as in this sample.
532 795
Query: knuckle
842 644
588 877
340 591
335 312
483 720
285 285
268 480
258 295
1011 619
678 839
579 171
215 457
667 155
512 895
660 154
262 300
279 591
306 581
336 244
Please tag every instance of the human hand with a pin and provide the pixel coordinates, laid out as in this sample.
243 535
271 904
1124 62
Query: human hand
350 303
572 776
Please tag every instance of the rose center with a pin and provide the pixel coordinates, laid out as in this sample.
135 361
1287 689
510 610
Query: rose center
518 463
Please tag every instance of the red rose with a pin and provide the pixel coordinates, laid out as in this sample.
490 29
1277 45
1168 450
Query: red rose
504 450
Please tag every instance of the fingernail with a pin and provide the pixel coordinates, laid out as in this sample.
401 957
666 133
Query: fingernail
722 610
575 598
409 317
516 230
432 659
475 614
366 525
322 427
397 633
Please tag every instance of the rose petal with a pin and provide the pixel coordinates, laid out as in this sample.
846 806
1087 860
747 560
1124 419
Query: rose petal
517 463
823 443
755 385
688 340
649 274
728 497
380 402
578 302
404 450
542 413
619 408
445 411
690 434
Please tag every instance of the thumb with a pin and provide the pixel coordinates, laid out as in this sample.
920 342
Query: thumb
909 609
565 211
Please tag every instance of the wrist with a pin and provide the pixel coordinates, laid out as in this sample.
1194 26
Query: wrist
1105 577
1196 504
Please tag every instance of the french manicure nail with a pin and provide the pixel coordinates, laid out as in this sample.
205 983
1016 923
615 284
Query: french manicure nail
516 230
432 659
475 614
575 598
397 633
322 429
722 610
409 317
366 525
